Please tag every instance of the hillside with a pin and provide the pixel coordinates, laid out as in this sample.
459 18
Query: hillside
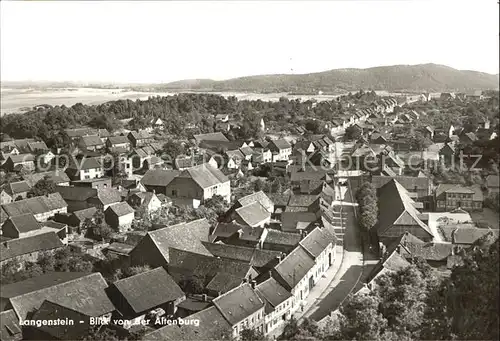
423 77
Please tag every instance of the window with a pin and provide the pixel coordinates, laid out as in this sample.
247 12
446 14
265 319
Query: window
174 192
87 176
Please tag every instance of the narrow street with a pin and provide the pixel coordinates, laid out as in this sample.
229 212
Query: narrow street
349 274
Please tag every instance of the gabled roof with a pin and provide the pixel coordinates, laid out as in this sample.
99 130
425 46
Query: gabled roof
22 246
238 304
55 176
25 223
18 187
108 196
120 209
84 294
204 175
159 177
148 290
260 197
53 311
410 183
205 266
39 145
253 214
315 242
282 238
427 251
85 163
452 188
84 214
256 257
218 136
294 266
76 193
272 292
471 235
184 236
92 140
396 208
140 135
35 205
9 326
22 158
213 326
280 144
118 139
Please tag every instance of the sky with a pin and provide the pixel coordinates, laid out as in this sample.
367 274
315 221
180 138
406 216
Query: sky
153 42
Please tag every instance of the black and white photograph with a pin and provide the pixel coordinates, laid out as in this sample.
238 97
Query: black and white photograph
249 170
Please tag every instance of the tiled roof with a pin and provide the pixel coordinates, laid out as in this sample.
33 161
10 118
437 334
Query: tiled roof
428 251
294 221
260 197
205 175
184 236
272 292
76 132
148 290
281 144
408 182
223 282
396 208
253 214
85 295
86 213
282 238
470 235
56 176
76 193
118 139
159 177
256 257
22 158
213 326
121 209
239 303
19 187
53 311
204 266
294 266
315 242
218 136
108 196
35 205
9 326
21 246
85 163
25 223
92 140
121 248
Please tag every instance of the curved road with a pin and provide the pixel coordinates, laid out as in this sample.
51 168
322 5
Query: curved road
348 277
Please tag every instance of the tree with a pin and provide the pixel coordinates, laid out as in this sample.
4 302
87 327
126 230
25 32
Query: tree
173 149
248 334
466 305
360 319
352 133
367 199
307 330
43 187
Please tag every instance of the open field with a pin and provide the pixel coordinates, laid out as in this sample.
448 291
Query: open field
15 100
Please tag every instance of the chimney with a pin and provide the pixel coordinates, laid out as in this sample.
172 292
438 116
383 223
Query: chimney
154 191
204 297
278 258
244 280
270 274
253 283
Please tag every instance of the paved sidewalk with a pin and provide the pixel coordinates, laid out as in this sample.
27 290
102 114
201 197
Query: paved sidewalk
324 284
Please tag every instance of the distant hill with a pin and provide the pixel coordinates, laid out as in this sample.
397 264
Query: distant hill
422 77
